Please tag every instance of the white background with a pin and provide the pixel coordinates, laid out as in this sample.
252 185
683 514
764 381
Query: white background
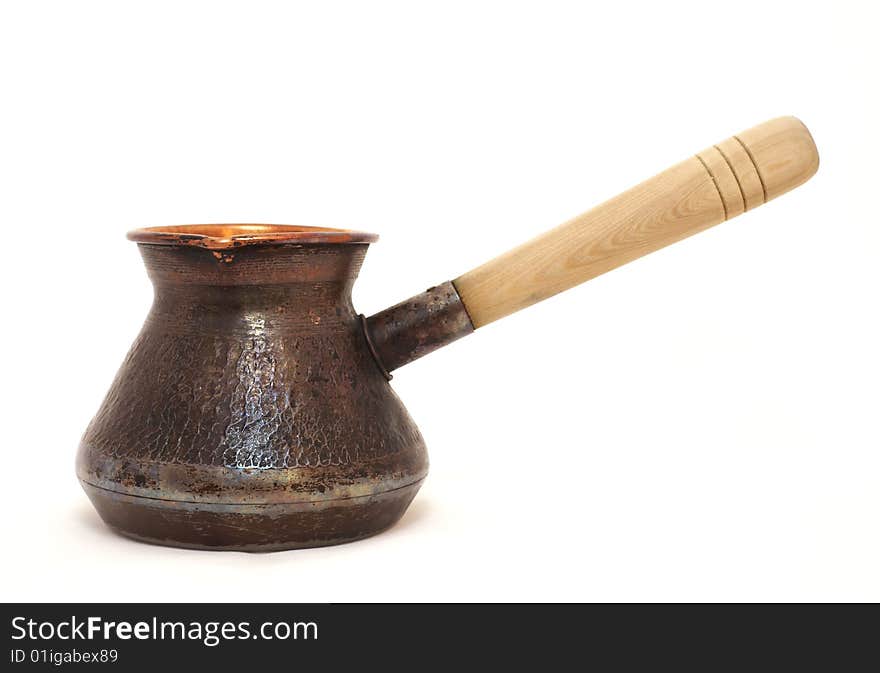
699 425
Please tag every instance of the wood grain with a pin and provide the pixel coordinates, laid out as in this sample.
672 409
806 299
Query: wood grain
718 183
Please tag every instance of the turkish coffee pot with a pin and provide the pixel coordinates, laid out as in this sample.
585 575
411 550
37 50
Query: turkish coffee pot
254 410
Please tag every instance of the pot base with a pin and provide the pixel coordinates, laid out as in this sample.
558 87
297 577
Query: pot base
251 528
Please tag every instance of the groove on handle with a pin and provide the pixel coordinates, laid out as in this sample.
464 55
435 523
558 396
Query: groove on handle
721 182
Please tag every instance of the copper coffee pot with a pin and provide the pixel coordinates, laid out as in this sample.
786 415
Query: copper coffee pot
254 412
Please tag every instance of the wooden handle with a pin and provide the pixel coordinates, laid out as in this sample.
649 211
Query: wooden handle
716 184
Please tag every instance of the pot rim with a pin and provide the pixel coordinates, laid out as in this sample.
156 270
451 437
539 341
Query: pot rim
225 236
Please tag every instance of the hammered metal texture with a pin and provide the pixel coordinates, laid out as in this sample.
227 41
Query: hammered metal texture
251 385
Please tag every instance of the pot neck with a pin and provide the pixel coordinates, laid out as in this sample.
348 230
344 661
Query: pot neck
254 290
175 268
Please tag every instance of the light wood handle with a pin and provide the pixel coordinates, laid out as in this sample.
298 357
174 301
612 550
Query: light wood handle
716 184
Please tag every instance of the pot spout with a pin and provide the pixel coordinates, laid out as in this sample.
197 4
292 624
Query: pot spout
417 326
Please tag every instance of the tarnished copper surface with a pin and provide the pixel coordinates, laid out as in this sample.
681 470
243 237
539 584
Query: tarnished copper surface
249 412
417 326
272 527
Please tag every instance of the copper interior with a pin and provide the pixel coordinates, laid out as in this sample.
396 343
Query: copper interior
220 236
